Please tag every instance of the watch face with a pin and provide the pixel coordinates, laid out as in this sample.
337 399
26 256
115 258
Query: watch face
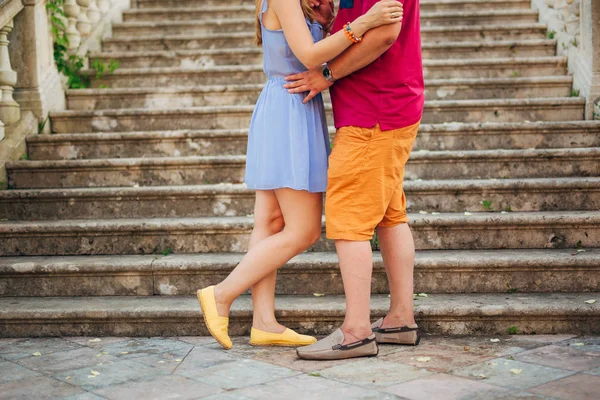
327 73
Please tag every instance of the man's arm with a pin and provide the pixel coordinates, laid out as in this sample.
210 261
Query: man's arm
375 42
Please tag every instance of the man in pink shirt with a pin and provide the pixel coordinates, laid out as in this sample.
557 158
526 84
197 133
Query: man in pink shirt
377 92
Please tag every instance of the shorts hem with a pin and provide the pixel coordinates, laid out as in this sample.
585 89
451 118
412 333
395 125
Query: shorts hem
349 236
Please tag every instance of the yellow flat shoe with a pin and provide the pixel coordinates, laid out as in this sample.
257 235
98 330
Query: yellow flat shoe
217 326
288 338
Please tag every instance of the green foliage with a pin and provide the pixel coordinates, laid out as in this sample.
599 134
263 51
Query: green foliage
71 65
42 124
574 93
551 34
512 290
513 330
487 204
374 242
167 251
516 74
579 244
575 42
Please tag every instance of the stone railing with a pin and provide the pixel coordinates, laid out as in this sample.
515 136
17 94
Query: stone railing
30 84
576 26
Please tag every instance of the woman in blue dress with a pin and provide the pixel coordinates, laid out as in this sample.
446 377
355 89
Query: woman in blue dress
288 146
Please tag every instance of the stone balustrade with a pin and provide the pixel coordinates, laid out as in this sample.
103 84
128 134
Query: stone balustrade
30 84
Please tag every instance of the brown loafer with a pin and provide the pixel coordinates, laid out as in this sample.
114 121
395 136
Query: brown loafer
331 348
404 335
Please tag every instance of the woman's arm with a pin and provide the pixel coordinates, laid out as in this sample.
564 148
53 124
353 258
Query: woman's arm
311 54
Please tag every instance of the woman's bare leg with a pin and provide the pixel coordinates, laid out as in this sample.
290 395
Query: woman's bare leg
268 221
302 215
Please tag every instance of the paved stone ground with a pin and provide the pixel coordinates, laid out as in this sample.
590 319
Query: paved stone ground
515 367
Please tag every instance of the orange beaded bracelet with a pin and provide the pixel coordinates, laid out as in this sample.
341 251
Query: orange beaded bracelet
350 35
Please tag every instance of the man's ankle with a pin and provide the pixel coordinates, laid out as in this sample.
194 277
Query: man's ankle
356 333
398 320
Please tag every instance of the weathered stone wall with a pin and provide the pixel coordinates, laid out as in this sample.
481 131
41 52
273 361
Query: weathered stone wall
576 26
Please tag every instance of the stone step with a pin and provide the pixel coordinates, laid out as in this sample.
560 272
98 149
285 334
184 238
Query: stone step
194 170
446 231
541 194
454 136
236 48
444 18
194 30
426 5
239 116
436 271
441 314
444 68
157 87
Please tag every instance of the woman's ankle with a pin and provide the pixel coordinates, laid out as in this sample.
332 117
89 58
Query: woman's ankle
223 305
267 325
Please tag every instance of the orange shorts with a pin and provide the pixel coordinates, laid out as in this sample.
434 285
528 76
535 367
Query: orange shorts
366 170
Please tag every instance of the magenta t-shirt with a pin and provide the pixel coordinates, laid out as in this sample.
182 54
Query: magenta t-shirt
390 91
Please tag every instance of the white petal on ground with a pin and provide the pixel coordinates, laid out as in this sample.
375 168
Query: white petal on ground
468 213
423 359
494 340
318 294
577 344
95 373
516 371
95 340
422 295
37 354
590 301
423 212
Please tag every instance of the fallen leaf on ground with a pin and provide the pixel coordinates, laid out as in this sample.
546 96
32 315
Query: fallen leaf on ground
178 360
494 340
422 295
161 362
577 344
68 378
37 354
590 301
581 250
423 359
435 213
479 376
516 371
466 348
503 212
95 373
468 213
422 212
95 340
318 294
124 352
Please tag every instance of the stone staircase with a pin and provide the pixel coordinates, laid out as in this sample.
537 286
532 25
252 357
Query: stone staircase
153 165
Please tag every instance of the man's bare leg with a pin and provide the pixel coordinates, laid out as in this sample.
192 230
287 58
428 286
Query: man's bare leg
356 265
398 251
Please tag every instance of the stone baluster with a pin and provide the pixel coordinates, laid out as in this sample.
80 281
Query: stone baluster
84 26
103 5
9 108
72 12
94 13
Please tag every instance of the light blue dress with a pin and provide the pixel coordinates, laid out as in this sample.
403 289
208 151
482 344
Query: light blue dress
288 143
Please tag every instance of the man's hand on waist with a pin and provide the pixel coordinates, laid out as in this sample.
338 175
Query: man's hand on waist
311 81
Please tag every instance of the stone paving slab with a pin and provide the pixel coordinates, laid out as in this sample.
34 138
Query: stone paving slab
519 367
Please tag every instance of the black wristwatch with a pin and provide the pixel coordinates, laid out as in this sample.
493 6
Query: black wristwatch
327 74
